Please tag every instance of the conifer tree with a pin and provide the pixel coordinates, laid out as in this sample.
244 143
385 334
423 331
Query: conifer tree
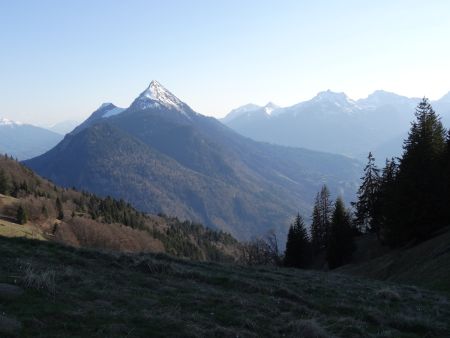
385 207
420 190
4 183
365 215
297 252
341 243
21 216
59 209
446 167
320 226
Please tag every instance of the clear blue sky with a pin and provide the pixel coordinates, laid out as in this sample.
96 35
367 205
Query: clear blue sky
61 59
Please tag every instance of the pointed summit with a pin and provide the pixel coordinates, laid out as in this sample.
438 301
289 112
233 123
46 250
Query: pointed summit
333 101
156 96
270 107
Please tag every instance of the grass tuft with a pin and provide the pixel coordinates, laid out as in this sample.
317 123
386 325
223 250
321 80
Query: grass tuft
388 294
39 280
308 328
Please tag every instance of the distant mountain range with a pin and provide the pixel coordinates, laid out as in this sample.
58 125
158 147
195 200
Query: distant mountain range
63 127
162 156
332 122
24 141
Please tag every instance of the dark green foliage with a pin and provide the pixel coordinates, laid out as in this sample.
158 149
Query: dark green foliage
44 211
365 215
298 247
420 174
446 166
320 226
385 206
22 216
410 201
419 189
340 243
178 238
4 183
205 244
59 209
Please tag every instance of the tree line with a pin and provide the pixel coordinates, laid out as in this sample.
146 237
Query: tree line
405 202
331 235
408 200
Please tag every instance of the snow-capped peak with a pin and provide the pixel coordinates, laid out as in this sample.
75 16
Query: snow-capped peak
108 109
156 95
270 107
329 95
7 122
339 100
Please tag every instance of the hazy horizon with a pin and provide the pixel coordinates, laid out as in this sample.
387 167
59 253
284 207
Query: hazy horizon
64 59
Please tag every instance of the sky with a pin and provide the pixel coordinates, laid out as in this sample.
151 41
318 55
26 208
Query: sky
59 60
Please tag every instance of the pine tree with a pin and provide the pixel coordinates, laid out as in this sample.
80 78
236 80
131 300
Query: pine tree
316 229
4 183
320 226
59 209
365 215
385 206
446 175
21 216
420 189
341 243
297 252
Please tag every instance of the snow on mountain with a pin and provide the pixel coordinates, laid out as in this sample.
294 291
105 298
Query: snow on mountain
333 122
381 98
240 111
10 123
270 107
156 95
329 100
250 109
110 110
24 141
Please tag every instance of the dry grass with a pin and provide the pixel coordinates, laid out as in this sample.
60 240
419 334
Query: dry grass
308 328
9 327
43 280
9 229
389 294
141 295
91 234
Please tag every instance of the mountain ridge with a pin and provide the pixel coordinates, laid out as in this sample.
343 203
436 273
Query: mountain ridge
24 141
333 122
213 174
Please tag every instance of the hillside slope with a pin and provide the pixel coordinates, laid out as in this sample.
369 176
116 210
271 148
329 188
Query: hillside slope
426 264
161 156
72 293
81 219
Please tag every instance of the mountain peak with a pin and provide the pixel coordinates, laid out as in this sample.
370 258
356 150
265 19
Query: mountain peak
270 107
157 95
330 95
382 98
334 98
